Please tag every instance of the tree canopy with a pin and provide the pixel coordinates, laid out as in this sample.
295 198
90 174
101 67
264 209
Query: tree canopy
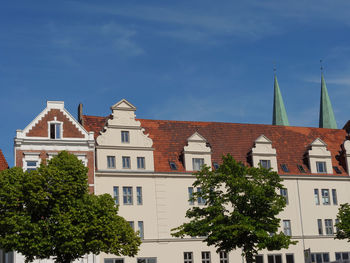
50 213
343 224
241 209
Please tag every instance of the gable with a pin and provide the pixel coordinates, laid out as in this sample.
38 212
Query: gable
123 105
41 129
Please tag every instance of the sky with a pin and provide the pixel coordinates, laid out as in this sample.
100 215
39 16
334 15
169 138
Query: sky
179 60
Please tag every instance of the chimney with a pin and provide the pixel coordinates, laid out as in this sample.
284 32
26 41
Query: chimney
80 113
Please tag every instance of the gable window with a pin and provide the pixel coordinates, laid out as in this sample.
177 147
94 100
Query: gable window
206 257
284 193
110 161
284 168
265 164
334 196
127 195
321 167
215 165
172 166
55 130
116 194
328 224
317 197
126 162
140 162
197 163
125 137
223 257
188 257
325 196
287 228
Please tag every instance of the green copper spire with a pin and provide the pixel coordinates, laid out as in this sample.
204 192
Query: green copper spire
279 111
327 119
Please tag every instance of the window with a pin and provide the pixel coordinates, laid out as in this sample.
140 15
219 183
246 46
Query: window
335 224
31 165
215 165
6 257
284 168
125 137
132 225
334 196
110 161
284 193
126 162
319 257
141 231
172 166
114 260
188 257
342 256
259 259
317 197
140 163
223 257
116 194
55 130
337 170
325 196
289 258
287 228
328 224
127 195
200 200
139 195
321 167
146 260
190 196
274 258
197 163
319 225
206 257
301 168
265 164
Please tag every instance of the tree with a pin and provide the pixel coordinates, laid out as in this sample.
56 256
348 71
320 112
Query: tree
343 224
50 213
240 211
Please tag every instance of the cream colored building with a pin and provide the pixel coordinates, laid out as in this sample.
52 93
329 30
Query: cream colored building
147 166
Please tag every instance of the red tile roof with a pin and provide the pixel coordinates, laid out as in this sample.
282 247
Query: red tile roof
291 143
3 163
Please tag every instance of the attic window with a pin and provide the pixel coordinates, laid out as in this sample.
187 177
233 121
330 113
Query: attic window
172 166
215 165
301 168
55 130
337 170
284 168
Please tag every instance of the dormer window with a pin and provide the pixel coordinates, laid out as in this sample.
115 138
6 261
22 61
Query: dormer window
55 130
215 165
321 167
125 137
265 164
172 166
197 163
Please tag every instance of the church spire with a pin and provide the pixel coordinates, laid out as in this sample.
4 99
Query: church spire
279 111
327 119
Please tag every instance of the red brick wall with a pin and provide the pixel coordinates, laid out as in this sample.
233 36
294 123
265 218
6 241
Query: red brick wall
41 128
44 155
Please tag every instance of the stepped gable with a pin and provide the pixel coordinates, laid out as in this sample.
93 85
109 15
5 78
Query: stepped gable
291 143
40 129
3 162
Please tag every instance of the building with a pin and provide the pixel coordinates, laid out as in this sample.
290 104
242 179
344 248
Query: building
147 166
3 162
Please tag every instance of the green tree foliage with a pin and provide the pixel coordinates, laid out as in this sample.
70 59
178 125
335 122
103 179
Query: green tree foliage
241 209
343 225
50 213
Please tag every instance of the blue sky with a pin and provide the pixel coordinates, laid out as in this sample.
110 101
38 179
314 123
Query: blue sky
181 60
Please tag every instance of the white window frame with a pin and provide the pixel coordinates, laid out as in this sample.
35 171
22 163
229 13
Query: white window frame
274 257
127 196
341 254
125 136
206 258
126 162
31 157
328 225
190 195
322 254
290 254
114 260
139 199
141 229
49 129
223 256
325 197
200 200
334 197
268 163
321 167
317 196
197 163
116 195
141 163
188 259
111 157
147 260
287 227
320 227
284 193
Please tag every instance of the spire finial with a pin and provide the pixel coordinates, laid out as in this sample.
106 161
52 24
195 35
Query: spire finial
321 65
274 68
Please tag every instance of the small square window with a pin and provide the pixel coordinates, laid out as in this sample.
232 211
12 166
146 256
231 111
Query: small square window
284 168
110 161
32 165
197 163
265 164
125 137
126 162
321 167
140 162
172 166
215 165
